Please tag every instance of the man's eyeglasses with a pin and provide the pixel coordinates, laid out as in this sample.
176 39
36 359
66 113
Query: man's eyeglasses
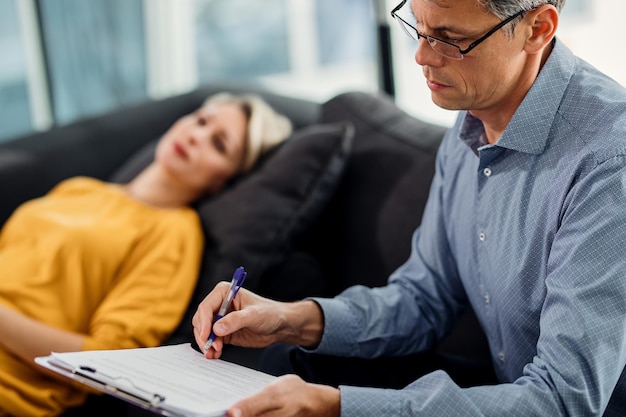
442 47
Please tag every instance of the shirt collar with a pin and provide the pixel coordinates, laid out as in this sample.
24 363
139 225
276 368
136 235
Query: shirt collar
528 131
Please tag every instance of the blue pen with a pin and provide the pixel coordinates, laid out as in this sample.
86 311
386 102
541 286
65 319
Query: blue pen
238 278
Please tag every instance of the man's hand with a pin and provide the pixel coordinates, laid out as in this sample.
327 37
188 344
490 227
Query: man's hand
255 321
290 396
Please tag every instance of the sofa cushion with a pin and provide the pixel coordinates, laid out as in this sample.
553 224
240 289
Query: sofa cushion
255 221
135 164
20 174
365 232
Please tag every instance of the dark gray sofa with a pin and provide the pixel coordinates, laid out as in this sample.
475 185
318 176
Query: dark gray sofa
366 204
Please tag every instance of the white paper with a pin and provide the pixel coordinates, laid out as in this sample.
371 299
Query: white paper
189 383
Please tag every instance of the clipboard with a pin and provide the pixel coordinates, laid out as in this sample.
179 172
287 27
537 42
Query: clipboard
175 381
89 377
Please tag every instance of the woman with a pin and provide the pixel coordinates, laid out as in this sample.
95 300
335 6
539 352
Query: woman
94 265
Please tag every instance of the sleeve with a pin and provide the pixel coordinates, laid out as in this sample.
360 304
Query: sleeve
581 351
152 289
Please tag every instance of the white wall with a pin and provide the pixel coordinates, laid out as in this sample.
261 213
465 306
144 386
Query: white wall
598 37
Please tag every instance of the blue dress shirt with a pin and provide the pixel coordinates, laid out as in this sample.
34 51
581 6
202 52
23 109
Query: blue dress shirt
531 232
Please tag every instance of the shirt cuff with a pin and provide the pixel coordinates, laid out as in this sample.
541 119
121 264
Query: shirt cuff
339 328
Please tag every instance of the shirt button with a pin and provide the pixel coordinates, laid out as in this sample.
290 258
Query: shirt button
487 172
501 356
487 298
482 236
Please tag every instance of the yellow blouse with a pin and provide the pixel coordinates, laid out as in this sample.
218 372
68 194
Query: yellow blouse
89 259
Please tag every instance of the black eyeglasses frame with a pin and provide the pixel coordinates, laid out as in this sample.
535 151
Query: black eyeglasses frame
394 14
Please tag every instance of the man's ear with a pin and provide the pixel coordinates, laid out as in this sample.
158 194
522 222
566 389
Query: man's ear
543 22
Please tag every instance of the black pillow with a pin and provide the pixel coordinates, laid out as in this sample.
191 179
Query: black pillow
365 233
255 222
135 163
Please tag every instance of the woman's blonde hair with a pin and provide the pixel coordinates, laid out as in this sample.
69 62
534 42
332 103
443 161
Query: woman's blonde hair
266 127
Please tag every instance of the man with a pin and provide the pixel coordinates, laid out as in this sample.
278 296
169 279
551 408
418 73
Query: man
525 222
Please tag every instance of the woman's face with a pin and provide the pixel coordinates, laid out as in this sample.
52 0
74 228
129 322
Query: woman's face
204 149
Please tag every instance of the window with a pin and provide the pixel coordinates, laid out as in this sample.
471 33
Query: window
96 55
14 102
309 48
346 32
66 59
93 56
240 39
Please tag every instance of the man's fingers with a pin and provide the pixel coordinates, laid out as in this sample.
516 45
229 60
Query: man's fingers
203 318
260 403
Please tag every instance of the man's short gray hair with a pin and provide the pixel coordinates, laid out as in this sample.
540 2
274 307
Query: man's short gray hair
506 8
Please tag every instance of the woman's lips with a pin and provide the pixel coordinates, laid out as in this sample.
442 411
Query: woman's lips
180 150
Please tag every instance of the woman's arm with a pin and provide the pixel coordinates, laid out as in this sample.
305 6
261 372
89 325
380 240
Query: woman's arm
28 338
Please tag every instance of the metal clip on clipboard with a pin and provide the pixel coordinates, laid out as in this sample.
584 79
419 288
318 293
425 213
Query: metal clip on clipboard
129 391
135 394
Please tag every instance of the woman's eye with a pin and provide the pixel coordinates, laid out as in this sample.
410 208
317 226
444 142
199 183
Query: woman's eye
218 143
204 118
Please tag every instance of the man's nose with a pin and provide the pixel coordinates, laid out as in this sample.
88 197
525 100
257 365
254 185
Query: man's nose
426 56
